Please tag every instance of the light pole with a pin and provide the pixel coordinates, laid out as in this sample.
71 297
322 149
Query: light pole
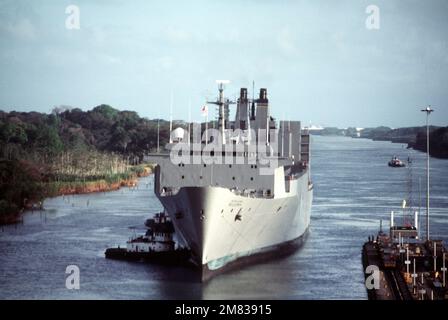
158 135
428 111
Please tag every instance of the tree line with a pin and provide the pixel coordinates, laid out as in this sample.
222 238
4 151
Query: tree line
69 145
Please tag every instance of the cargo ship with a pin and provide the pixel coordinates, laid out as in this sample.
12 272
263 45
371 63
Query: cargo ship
240 192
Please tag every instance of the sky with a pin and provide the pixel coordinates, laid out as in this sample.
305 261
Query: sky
317 59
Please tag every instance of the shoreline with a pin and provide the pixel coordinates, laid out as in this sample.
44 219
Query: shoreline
438 153
73 188
410 144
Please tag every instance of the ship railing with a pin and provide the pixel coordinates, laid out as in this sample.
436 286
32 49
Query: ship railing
139 239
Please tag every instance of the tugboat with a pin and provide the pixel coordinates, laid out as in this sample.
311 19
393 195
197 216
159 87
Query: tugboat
395 162
156 245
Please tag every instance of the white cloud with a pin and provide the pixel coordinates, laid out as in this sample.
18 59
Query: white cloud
98 36
164 63
287 42
178 35
108 59
22 29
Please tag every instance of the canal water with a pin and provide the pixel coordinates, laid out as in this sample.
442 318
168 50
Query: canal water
354 189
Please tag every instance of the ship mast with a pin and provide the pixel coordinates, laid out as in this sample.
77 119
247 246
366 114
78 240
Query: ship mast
223 107
221 111
428 111
171 117
189 119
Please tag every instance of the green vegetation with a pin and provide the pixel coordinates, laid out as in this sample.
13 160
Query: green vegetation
20 185
46 154
438 142
399 135
414 137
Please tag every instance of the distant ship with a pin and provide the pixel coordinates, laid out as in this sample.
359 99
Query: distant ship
395 162
250 206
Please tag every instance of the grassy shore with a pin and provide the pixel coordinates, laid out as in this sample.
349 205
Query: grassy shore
32 197
75 185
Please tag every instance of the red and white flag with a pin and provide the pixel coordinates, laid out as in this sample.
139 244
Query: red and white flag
204 111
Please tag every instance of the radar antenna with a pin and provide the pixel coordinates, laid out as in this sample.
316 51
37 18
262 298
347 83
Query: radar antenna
223 104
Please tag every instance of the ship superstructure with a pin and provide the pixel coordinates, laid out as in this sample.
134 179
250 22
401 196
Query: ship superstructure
239 192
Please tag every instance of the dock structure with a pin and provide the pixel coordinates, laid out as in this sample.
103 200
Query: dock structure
408 270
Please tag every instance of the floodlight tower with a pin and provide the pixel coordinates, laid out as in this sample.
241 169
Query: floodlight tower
428 111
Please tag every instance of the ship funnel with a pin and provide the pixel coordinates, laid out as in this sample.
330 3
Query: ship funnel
263 94
243 94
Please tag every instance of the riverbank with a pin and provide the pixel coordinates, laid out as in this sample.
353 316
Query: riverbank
438 142
12 213
414 137
128 179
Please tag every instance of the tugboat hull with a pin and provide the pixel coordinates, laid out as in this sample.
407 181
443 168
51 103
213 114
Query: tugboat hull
165 257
